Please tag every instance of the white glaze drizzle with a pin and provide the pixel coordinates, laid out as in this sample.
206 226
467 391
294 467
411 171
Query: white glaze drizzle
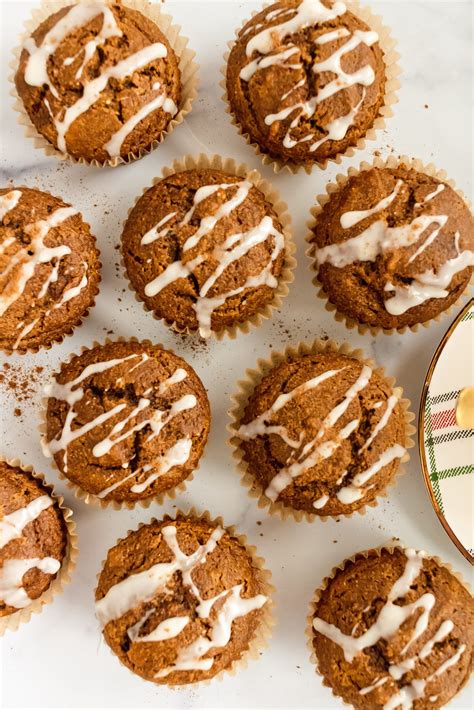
114 145
391 616
247 72
431 195
233 248
383 421
428 284
260 426
158 230
24 264
141 587
36 71
13 524
11 578
313 452
350 219
308 12
321 502
177 454
8 202
355 490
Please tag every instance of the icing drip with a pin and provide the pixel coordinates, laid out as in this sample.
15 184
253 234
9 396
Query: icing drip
141 587
11 577
8 202
308 12
321 502
13 524
311 12
355 491
36 71
114 145
431 195
234 248
156 420
260 425
391 616
428 284
313 452
390 406
24 262
350 219
378 239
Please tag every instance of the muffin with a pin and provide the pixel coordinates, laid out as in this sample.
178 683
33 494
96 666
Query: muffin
393 629
181 600
33 539
305 80
49 269
99 81
320 433
393 247
126 421
204 250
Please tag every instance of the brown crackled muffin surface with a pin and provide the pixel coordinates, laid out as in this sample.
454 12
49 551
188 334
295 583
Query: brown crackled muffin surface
180 600
322 433
126 421
394 629
99 81
204 250
49 268
393 247
33 539
305 79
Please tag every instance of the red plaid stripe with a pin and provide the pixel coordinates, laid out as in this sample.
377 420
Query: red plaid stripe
444 419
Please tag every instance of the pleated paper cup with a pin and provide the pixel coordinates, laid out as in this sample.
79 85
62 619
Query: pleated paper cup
23 348
264 631
68 563
392 84
229 165
179 44
316 210
91 498
242 397
374 552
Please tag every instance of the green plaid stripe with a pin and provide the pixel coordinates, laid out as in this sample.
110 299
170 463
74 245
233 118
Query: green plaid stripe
457 471
429 444
468 316
452 436
437 399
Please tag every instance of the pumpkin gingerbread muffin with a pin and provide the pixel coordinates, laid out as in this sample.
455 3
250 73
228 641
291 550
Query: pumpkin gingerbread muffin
99 81
182 600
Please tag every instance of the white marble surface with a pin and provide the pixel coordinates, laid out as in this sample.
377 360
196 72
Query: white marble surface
59 659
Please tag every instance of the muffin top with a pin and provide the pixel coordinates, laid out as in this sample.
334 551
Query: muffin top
126 420
322 433
393 247
179 600
204 249
99 81
394 630
49 268
306 79
33 539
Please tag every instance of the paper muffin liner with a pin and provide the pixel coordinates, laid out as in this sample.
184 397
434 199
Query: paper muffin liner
187 66
68 563
245 390
392 84
91 498
264 631
365 554
321 200
229 165
24 349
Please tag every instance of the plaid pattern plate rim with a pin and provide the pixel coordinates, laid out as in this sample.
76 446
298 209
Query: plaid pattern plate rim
446 450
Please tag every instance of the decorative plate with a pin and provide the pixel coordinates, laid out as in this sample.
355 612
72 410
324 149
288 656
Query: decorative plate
446 431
